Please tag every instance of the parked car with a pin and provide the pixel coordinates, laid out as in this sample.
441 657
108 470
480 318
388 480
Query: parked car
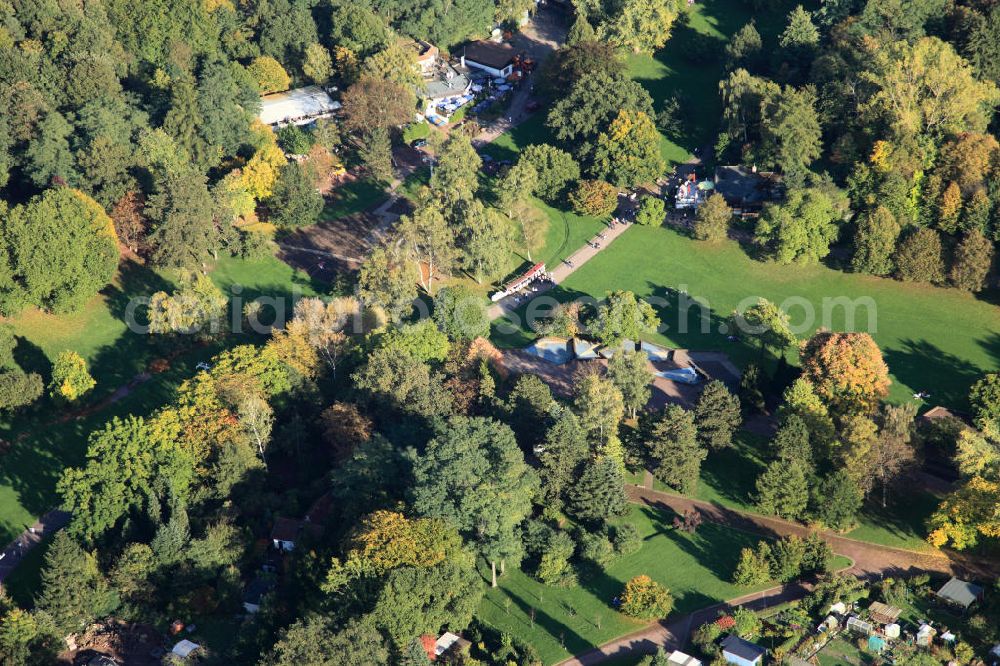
420 143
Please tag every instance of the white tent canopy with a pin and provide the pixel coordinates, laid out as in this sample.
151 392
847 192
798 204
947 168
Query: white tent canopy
297 107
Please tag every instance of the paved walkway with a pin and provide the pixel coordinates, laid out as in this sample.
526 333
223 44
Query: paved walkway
17 550
563 270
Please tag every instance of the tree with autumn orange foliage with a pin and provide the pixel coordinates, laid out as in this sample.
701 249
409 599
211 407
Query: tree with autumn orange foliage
847 371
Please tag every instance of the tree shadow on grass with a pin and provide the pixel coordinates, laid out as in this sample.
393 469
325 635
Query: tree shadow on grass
905 515
991 343
926 367
732 473
714 547
30 358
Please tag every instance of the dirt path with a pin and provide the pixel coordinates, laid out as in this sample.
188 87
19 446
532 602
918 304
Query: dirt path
675 634
16 550
868 558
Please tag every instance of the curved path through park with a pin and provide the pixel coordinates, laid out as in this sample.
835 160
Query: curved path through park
869 560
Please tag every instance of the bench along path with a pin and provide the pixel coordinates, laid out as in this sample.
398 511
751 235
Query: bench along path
869 559
562 271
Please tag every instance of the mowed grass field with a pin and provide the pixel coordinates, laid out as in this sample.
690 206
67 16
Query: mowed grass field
44 439
569 620
728 479
933 339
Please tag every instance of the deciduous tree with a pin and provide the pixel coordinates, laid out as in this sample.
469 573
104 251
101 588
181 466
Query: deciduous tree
800 229
918 257
594 197
474 475
646 599
630 372
712 219
554 169
971 264
269 74
875 241
628 151
847 370
621 317
70 378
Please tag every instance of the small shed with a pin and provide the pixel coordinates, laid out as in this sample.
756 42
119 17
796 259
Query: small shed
736 650
449 642
960 593
285 532
884 613
185 649
678 658
925 635
828 624
892 630
840 608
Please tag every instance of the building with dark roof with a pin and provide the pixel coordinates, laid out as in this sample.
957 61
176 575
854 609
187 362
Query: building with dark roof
493 58
285 532
253 595
735 650
960 593
745 189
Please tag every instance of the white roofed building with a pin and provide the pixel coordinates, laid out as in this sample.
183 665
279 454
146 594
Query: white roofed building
297 107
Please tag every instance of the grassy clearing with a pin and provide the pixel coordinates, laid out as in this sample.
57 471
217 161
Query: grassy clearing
41 445
842 652
353 197
694 567
939 340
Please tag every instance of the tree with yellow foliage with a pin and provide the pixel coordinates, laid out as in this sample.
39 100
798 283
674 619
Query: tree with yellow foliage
70 378
927 88
973 510
628 152
950 209
269 74
386 539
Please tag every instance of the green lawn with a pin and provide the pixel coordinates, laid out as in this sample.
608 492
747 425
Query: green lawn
841 651
728 477
933 339
352 197
694 567
42 445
